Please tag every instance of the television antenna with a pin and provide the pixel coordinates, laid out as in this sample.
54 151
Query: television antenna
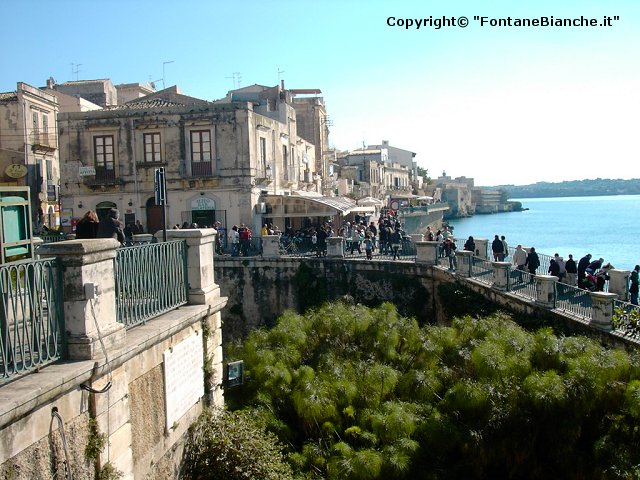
75 69
237 79
279 72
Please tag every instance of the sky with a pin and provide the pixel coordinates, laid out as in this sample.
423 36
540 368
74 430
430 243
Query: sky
500 104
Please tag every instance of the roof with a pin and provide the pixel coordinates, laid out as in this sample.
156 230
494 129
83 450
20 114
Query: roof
145 104
342 205
8 96
76 82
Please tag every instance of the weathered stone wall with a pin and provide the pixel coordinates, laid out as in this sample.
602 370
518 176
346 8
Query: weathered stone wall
259 290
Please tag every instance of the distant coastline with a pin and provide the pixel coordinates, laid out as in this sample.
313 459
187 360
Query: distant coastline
573 188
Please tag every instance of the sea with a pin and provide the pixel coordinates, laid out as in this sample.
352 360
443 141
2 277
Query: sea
605 226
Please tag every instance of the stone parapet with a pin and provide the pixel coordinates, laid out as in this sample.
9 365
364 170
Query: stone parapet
271 246
427 253
89 295
501 272
200 274
619 283
546 290
335 247
482 247
602 310
465 260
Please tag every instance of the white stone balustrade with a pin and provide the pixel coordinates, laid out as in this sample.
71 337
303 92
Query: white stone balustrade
270 246
464 259
619 283
546 290
602 310
501 272
427 253
335 247
482 245
86 319
202 287
416 237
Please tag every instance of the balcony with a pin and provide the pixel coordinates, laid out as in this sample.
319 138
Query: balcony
43 142
197 170
103 177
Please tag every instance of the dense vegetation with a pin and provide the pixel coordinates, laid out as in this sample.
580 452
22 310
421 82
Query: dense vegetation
359 393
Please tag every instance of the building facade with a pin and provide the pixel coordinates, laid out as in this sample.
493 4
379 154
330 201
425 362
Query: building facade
29 154
220 159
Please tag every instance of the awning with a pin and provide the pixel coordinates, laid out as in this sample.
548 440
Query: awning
363 209
307 206
370 201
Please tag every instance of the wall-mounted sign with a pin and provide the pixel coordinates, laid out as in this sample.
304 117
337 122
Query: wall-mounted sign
51 193
203 203
16 170
86 171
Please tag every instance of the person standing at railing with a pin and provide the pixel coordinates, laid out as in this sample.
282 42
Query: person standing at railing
562 267
396 239
572 271
110 226
519 260
635 283
505 248
470 245
497 247
87 227
450 252
582 268
234 240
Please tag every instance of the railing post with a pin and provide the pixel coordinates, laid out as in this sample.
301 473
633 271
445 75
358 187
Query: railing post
481 247
416 237
142 238
501 272
89 295
602 310
465 260
335 247
200 274
271 246
427 253
619 283
546 290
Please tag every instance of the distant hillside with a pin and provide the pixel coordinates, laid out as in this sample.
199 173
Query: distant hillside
573 188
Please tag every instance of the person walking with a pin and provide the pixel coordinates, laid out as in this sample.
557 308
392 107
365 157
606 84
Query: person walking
635 283
87 227
532 262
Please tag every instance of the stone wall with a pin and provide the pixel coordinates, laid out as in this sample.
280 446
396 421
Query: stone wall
49 417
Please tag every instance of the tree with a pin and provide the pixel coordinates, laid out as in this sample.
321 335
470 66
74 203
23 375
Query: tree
361 393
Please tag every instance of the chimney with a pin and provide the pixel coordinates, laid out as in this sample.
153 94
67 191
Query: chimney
50 83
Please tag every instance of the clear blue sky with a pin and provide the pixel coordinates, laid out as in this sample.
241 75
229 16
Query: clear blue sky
502 105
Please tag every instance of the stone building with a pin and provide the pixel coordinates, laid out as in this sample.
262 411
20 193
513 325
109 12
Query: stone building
374 173
101 92
29 149
222 160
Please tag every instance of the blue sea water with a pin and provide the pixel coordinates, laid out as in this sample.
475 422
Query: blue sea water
606 227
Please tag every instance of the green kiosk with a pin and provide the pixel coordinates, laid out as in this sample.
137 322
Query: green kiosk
15 224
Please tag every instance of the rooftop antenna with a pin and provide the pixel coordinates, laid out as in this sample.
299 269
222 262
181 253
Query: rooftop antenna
75 69
279 72
163 64
237 78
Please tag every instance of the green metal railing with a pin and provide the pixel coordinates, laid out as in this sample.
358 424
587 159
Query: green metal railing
150 280
31 316
625 319
573 300
50 238
482 270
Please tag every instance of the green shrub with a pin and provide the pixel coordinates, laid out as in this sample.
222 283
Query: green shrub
233 446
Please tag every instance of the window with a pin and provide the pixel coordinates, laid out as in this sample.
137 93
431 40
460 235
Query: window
152 148
45 123
36 127
104 158
49 170
263 155
285 162
201 153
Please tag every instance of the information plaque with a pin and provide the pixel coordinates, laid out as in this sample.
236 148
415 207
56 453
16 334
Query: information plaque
183 377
